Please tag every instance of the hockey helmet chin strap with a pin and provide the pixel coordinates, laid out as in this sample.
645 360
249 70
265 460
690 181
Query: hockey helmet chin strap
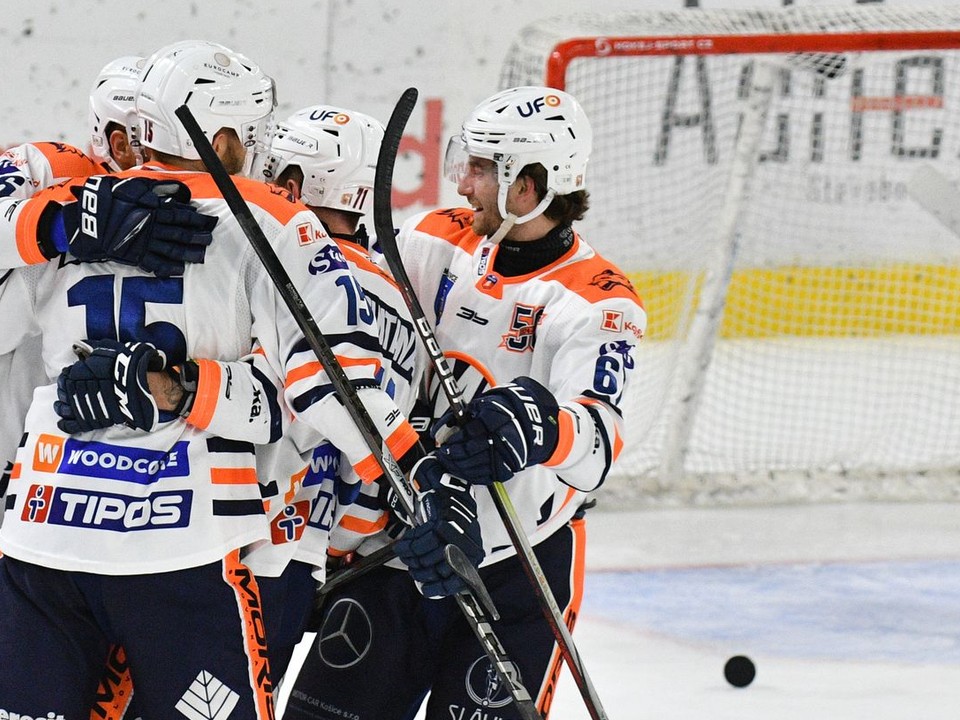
509 219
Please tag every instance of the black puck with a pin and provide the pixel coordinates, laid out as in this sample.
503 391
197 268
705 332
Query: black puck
739 671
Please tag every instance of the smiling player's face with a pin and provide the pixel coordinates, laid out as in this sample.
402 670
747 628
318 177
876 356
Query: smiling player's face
479 186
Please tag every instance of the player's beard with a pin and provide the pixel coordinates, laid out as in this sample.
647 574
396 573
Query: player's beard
233 158
487 221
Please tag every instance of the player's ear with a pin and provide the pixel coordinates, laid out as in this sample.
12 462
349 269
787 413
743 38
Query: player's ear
120 148
292 187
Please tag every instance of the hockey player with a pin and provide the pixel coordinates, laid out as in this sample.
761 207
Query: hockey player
182 500
326 157
27 169
542 332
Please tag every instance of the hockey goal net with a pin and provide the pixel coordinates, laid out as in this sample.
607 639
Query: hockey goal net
750 174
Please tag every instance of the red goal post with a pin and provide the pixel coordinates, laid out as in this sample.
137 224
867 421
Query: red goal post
804 332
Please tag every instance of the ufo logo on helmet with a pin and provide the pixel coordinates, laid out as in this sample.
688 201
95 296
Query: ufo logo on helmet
221 59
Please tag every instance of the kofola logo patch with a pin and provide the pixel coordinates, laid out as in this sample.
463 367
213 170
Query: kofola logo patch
612 321
127 464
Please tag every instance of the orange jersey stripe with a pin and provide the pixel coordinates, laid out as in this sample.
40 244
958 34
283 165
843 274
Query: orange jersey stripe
274 200
399 442
233 476
15 471
313 367
454 226
361 526
28 244
565 438
208 393
595 280
355 254
474 363
66 161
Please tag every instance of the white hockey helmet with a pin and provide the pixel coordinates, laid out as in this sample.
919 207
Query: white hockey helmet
222 88
111 101
523 126
337 151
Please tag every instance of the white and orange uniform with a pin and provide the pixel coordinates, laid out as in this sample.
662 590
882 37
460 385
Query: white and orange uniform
308 519
24 171
119 501
573 326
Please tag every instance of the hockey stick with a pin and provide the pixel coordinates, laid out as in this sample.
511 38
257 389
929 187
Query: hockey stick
383 222
468 601
937 195
344 575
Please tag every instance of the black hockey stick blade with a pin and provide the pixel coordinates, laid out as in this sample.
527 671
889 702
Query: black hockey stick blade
386 236
466 571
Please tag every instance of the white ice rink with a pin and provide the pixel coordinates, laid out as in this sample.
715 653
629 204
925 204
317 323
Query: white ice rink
850 611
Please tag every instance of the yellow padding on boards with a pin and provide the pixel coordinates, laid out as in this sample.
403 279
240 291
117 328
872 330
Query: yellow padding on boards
814 301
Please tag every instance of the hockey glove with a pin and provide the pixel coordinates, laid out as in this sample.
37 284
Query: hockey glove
447 514
108 386
134 221
508 428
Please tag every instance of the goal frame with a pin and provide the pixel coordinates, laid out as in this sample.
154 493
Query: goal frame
593 44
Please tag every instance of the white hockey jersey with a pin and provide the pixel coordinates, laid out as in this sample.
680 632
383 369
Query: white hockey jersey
119 501
320 507
25 170
572 326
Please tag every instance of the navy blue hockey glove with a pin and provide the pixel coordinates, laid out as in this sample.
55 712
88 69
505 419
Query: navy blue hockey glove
508 428
107 386
447 514
135 221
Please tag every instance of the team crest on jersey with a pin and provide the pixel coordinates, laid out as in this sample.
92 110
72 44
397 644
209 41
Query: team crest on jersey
522 335
459 216
612 321
328 259
610 279
68 149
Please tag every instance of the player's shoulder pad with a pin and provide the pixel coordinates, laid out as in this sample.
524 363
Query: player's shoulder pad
67 161
274 200
359 257
455 225
595 279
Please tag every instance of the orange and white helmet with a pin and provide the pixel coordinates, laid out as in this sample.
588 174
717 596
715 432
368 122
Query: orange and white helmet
337 151
222 89
111 101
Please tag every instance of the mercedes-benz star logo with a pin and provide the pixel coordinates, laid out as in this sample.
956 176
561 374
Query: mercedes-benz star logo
346 634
